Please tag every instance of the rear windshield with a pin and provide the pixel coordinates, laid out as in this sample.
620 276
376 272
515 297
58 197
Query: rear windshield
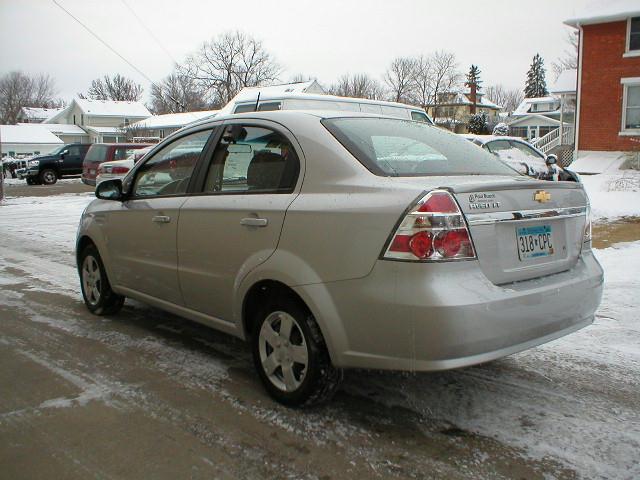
97 153
403 148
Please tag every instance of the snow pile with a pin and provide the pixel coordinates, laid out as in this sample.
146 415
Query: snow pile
613 195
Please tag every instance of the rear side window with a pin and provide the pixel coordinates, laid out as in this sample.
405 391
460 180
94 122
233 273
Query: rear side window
269 106
420 117
97 153
247 107
251 159
403 148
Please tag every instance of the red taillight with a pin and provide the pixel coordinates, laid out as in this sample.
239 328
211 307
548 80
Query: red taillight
434 229
119 170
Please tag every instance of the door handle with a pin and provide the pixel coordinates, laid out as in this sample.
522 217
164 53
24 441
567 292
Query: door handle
254 222
161 219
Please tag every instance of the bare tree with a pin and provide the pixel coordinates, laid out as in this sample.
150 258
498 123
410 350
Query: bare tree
399 78
359 85
114 88
421 92
19 90
228 63
569 58
445 77
508 99
177 93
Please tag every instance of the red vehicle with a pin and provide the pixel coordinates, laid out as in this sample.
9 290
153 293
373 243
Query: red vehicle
105 152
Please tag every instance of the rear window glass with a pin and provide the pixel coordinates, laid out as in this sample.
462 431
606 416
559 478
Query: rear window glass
97 153
402 148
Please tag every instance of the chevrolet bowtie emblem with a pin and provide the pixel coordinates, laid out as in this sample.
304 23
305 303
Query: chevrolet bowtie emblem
542 196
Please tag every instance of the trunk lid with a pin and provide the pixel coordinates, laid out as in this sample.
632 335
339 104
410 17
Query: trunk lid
521 228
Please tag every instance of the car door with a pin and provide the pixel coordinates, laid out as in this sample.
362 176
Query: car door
71 162
142 232
234 224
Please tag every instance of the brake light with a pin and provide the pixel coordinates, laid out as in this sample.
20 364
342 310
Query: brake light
119 170
433 230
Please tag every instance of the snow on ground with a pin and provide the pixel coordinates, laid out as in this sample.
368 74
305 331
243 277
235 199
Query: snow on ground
18 181
613 195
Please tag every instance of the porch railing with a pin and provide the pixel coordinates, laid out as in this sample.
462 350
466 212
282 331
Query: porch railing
552 139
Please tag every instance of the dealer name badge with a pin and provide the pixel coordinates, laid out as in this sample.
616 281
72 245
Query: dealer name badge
483 201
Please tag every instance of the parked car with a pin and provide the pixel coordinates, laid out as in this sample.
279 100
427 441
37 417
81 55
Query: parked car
342 240
524 157
119 168
105 152
274 98
62 162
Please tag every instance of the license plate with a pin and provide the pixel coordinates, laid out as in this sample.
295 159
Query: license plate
534 242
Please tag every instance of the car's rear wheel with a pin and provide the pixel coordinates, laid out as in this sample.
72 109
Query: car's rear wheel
96 289
291 356
48 177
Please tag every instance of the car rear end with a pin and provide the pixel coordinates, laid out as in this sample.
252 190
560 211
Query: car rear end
97 154
113 170
481 264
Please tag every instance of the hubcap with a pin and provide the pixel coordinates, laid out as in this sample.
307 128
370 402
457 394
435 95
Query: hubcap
283 351
48 177
91 280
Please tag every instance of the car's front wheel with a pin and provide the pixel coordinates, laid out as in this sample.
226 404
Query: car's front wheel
290 355
31 181
48 177
96 289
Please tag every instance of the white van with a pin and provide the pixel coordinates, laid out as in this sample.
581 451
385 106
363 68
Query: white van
310 96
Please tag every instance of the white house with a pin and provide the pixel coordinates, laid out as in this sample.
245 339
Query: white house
157 127
65 132
26 140
36 114
103 120
548 122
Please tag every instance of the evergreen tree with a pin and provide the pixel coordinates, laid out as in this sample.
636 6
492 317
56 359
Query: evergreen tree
478 124
536 85
473 78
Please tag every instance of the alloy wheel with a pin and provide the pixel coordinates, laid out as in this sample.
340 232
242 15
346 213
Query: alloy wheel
91 280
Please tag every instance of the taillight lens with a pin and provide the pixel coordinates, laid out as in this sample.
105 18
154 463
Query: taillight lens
119 170
433 230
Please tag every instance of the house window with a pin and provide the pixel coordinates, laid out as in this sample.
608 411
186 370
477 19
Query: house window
631 105
633 38
518 132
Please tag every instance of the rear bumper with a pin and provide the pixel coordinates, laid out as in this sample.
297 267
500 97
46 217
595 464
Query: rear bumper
88 181
421 317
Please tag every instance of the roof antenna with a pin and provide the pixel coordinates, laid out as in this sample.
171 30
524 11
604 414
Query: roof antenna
257 100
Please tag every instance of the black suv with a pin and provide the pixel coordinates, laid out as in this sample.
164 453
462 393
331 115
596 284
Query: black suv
47 169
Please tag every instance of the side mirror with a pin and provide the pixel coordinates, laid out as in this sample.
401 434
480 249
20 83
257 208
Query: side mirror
552 159
62 156
110 190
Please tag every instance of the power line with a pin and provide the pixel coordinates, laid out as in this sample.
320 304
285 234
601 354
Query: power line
95 35
149 31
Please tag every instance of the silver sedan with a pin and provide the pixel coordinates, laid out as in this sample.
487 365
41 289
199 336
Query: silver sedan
342 240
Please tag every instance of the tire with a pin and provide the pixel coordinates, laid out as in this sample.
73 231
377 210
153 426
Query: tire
48 177
96 289
295 368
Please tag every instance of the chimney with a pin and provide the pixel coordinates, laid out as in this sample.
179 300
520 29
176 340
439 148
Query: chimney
473 97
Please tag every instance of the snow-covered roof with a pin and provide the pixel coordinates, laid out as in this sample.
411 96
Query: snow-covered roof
612 12
61 128
566 82
172 120
105 108
462 97
102 130
525 105
38 113
27 133
250 93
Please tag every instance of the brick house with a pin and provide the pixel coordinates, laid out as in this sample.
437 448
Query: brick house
608 99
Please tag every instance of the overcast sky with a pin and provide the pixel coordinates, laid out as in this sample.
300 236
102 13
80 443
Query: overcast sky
321 38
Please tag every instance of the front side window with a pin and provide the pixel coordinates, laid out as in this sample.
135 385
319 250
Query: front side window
403 148
632 107
168 172
75 150
419 117
634 34
247 107
252 159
